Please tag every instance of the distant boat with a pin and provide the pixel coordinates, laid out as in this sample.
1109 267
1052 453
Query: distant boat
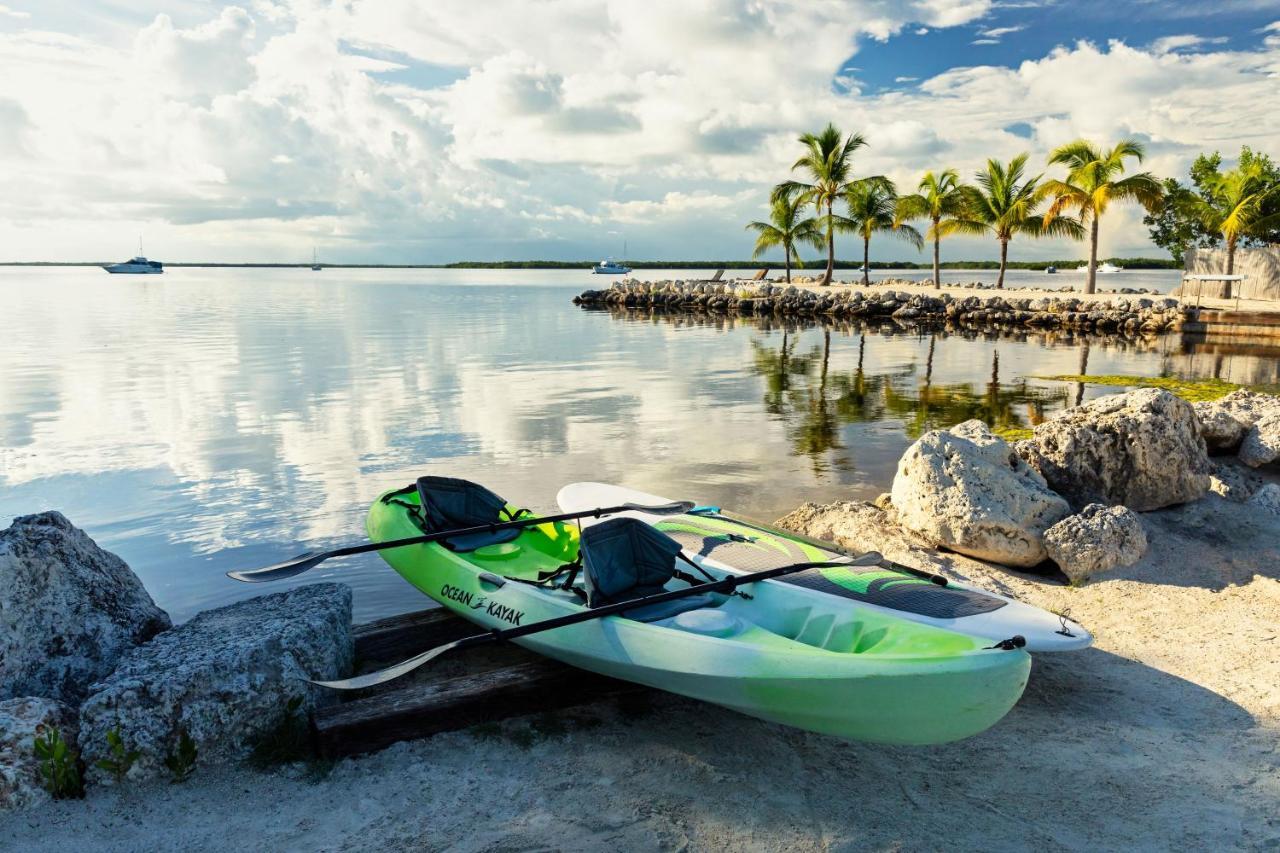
610 267
136 266
1051 269
315 266
1103 268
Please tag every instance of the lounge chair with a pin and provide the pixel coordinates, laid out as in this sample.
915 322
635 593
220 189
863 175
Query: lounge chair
760 274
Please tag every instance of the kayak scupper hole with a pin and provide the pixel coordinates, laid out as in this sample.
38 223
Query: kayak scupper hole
816 630
869 640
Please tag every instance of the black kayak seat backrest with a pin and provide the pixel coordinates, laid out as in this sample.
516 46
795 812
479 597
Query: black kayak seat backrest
449 503
624 558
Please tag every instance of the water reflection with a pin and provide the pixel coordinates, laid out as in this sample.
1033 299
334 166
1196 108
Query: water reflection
815 402
221 419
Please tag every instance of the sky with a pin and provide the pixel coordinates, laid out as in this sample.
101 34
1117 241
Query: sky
398 131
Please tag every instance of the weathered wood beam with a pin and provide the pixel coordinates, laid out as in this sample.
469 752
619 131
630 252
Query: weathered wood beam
399 637
428 708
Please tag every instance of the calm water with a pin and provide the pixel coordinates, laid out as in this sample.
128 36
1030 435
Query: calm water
206 420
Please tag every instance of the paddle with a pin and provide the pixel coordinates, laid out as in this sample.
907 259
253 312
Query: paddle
305 562
817 543
725 585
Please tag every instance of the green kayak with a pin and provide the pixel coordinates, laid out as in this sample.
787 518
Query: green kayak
825 664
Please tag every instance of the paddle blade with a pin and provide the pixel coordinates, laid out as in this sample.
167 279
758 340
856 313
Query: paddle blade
280 571
391 673
673 508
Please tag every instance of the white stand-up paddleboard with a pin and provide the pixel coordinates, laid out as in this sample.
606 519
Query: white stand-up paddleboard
720 542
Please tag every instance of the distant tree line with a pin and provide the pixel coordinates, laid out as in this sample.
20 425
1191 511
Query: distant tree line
1238 207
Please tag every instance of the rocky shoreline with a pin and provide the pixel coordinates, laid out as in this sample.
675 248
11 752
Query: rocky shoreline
1070 496
1130 315
1163 515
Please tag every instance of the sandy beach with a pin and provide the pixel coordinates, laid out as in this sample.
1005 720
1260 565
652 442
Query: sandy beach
1164 735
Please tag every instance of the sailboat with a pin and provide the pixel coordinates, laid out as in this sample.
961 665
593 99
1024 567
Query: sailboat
315 266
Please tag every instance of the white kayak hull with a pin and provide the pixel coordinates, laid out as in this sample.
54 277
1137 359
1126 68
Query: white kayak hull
999 618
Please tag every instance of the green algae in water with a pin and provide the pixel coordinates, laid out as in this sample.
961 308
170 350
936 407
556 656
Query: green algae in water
1013 433
1191 390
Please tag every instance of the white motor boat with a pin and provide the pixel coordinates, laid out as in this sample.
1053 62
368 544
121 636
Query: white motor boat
610 267
136 266
1103 268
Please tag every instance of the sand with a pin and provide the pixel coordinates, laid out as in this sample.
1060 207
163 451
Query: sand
1163 736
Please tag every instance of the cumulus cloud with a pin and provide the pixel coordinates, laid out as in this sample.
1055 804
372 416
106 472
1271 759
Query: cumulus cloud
447 130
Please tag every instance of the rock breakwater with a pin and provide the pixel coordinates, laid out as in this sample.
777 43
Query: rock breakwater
1125 315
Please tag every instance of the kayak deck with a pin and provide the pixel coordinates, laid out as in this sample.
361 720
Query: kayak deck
822 663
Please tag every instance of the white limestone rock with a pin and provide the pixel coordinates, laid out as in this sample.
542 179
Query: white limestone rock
21 721
224 678
1267 498
1233 481
1261 443
1094 540
1227 420
966 490
1141 449
68 609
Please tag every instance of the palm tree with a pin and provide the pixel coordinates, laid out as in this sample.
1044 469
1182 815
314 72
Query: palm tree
1235 207
1004 204
1093 182
872 207
785 228
942 200
828 163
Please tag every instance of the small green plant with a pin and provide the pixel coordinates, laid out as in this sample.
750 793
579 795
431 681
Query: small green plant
287 742
119 759
182 762
59 764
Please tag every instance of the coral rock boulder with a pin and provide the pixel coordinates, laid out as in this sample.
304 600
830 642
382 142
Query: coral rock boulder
1096 539
68 609
966 489
1142 449
225 678
21 720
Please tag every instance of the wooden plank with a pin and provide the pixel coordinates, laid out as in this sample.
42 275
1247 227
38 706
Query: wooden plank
398 637
443 705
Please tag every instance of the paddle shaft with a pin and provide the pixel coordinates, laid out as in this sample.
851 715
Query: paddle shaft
725 585
498 635
303 563
479 528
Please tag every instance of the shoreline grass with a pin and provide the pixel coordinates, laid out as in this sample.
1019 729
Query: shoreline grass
1191 390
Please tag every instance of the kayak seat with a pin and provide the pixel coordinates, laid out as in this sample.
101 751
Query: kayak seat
449 503
668 609
625 559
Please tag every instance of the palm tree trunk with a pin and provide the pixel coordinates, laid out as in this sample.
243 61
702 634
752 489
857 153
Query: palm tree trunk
1004 259
866 260
786 255
1091 285
831 245
937 250
1231 256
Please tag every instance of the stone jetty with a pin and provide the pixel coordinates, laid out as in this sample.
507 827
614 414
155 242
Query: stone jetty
1132 315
